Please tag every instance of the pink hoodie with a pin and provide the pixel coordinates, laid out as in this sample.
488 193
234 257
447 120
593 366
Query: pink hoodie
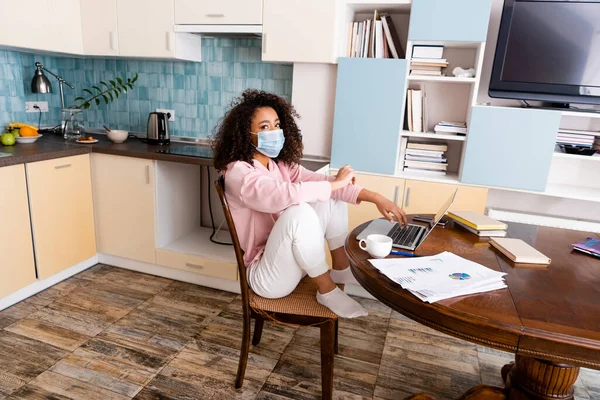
257 196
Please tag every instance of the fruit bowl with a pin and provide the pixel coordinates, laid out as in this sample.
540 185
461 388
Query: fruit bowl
27 139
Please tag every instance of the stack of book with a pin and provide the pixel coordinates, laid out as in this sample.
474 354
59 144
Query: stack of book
428 61
575 137
416 110
479 224
451 128
425 158
374 38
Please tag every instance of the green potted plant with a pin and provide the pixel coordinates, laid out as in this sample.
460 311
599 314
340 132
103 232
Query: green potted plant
104 91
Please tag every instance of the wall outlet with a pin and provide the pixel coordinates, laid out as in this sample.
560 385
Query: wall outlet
29 106
172 112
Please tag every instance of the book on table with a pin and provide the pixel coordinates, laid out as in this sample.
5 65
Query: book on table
477 221
518 251
483 233
589 246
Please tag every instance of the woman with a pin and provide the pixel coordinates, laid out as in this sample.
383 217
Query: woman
282 211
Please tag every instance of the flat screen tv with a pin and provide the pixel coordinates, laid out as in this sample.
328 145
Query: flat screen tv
548 50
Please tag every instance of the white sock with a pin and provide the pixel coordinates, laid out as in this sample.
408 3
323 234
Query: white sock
343 276
341 304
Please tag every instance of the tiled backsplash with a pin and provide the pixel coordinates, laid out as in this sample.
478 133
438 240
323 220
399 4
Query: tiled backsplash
198 92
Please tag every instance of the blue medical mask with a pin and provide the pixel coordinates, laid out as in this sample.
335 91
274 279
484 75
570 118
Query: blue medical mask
270 143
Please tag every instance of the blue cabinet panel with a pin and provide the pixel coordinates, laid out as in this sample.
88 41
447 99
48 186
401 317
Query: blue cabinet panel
510 147
368 113
449 20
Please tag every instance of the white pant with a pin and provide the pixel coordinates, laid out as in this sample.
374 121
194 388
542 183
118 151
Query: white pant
296 247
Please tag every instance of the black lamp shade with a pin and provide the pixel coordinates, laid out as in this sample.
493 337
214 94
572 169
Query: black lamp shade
40 82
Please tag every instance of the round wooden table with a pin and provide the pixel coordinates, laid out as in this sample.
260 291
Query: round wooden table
549 316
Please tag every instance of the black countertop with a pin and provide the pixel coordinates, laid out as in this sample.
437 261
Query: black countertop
54 146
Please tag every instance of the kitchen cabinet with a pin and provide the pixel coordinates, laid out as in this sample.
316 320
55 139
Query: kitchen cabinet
48 25
299 31
218 12
392 188
124 206
17 267
422 197
62 214
99 27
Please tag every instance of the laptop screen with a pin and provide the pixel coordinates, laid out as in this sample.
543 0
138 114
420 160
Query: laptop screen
443 209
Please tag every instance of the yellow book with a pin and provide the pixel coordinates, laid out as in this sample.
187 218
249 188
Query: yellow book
477 221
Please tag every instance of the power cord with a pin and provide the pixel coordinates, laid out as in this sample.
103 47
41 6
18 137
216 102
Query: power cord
40 112
212 220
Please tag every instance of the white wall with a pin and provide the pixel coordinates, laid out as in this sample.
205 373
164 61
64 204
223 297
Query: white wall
313 96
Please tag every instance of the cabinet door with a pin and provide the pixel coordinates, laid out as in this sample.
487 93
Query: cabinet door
62 214
444 20
146 28
66 28
392 188
17 268
222 12
367 120
299 31
99 27
124 206
421 197
510 147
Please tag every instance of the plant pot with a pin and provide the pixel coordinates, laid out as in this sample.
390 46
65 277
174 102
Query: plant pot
72 127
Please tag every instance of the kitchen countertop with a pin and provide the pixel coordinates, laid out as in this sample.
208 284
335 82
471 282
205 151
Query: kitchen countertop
54 146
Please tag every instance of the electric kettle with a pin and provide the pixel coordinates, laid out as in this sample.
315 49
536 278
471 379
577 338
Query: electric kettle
158 128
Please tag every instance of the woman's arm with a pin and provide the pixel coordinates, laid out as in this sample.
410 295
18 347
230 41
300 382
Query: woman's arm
342 189
386 207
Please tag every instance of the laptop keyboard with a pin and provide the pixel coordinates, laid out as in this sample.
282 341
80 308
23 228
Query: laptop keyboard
404 236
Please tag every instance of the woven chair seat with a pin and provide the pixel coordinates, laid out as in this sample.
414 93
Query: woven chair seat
302 301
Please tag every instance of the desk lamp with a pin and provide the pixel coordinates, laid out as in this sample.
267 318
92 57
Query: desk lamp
41 84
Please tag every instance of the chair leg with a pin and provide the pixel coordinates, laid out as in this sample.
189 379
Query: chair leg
258 327
239 380
335 343
327 345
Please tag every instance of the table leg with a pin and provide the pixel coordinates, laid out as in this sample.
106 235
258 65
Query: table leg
534 379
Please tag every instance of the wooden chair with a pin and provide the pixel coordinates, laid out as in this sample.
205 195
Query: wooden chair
298 308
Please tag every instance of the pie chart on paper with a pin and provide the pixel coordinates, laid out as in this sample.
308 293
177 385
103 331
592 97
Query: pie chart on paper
460 276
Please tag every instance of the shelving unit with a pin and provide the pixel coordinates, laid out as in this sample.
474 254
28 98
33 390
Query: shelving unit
442 79
594 158
450 177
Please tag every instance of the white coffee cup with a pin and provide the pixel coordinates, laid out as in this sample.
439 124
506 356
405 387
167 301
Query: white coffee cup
378 246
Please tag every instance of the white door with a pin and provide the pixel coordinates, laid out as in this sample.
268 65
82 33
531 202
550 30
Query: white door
66 32
146 28
219 12
124 206
99 27
299 31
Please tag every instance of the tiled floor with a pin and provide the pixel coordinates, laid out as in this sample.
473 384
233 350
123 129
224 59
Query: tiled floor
110 333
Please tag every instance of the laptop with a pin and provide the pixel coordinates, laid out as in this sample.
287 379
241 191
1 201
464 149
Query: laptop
410 236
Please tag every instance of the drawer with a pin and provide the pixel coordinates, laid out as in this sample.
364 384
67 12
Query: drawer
199 265
218 12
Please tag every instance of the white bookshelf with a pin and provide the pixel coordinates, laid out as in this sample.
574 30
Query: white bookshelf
435 136
449 178
442 79
594 158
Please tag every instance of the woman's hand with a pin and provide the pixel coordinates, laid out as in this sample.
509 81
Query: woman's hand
344 177
389 210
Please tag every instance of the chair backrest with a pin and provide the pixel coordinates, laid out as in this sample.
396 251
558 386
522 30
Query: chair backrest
239 253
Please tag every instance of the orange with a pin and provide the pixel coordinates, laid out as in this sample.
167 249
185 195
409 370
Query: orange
28 131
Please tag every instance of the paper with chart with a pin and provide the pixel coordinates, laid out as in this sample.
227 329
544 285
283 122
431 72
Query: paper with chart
441 276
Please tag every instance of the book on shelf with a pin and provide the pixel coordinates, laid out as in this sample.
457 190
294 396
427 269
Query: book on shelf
425 153
579 132
403 142
427 146
430 172
392 38
374 38
477 221
419 72
426 61
411 157
366 36
417 110
426 165
427 51
428 64
378 42
446 129
485 233
409 111
353 39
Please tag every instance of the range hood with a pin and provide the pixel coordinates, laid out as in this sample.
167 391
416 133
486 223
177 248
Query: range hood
221 30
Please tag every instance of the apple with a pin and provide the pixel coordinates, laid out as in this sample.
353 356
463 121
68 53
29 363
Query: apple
7 139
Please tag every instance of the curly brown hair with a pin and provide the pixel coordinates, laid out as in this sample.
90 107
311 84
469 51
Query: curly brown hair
232 139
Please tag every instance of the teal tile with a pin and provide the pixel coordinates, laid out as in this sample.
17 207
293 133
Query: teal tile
178 81
178 67
190 97
179 96
191 82
202 97
227 54
142 92
214 98
228 84
214 83
190 68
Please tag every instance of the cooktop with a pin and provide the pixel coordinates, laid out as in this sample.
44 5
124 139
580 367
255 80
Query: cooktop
188 151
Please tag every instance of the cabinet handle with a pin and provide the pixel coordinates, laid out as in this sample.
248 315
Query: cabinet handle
214 15
169 41
198 266
147 174
264 43
113 41
396 194
407 199
62 166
